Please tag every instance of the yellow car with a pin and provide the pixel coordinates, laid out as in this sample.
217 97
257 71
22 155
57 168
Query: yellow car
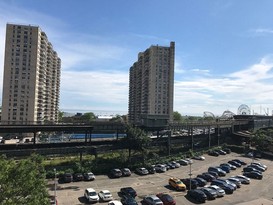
177 184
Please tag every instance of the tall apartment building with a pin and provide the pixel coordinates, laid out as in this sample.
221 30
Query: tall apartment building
31 85
151 87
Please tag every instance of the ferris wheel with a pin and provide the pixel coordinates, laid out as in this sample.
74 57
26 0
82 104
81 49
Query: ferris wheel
244 110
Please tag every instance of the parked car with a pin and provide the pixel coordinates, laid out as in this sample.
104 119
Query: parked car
128 200
115 173
197 195
66 178
201 182
89 176
126 172
232 167
225 168
227 150
240 161
142 171
152 200
258 167
215 174
128 191
228 188
254 174
259 164
176 164
213 153
177 184
78 177
229 183
235 181
105 195
183 162
221 152
151 169
171 165
91 195
161 168
211 193
166 199
220 192
114 202
234 163
243 179
250 169
199 157
219 171
190 183
207 176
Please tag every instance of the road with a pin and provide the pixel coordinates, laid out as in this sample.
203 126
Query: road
258 190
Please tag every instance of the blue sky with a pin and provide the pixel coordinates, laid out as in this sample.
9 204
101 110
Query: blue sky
224 50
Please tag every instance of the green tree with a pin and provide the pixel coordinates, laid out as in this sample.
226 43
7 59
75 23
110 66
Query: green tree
23 182
262 139
88 117
138 140
177 117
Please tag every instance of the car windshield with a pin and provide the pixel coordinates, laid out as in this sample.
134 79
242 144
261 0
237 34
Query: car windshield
107 194
93 193
157 200
178 182
167 197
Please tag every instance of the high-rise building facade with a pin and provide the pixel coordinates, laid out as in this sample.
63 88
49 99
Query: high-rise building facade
151 85
31 86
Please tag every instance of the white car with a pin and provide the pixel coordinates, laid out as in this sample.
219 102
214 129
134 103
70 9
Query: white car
160 168
89 176
220 192
115 202
199 157
91 195
105 195
152 200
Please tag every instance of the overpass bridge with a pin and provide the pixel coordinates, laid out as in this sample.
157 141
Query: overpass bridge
89 145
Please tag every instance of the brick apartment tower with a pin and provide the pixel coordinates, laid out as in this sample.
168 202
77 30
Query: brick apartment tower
31 85
151 85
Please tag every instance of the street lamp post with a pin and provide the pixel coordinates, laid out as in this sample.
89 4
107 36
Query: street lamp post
55 187
190 174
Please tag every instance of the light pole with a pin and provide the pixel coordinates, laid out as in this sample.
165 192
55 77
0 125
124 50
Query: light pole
55 187
190 174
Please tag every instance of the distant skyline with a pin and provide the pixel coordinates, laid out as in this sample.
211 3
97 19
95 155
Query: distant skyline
224 50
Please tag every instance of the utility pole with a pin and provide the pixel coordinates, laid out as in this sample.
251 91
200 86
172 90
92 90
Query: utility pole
55 187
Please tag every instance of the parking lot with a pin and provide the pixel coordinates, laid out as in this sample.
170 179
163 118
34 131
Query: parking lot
256 193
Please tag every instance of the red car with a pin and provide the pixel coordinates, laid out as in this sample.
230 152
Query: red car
166 199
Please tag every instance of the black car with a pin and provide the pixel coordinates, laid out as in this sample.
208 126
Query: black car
232 167
253 174
234 163
115 173
211 193
213 153
227 150
259 168
201 182
78 177
221 152
228 188
128 191
218 170
197 195
207 176
66 178
215 174
151 170
128 200
251 169
225 168
240 161
190 183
